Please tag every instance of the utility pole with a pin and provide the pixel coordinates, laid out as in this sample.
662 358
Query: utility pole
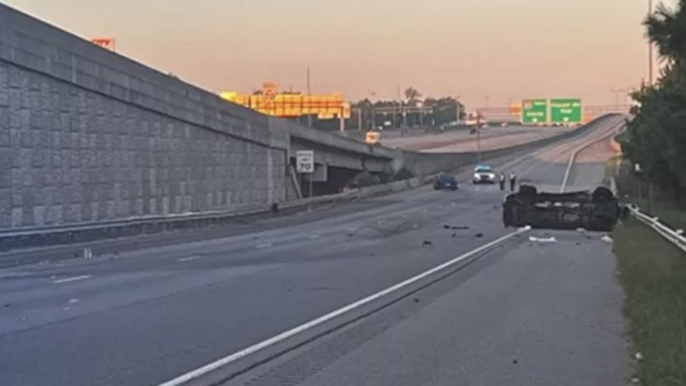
650 49
478 135
309 99
401 108
373 122
359 118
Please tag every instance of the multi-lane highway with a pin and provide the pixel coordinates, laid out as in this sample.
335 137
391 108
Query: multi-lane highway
150 310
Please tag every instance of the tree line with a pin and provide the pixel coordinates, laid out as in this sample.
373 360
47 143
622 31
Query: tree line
656 135
412 111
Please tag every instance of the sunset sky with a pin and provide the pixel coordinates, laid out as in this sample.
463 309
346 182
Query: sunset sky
477 49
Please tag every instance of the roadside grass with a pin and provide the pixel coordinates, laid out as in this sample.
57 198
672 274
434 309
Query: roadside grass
652 272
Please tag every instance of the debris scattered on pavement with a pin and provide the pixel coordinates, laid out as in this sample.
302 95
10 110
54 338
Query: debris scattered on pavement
74 301
416 300
427 242
606 239
515 361
635 380
456 227
639 356
542 239
479 235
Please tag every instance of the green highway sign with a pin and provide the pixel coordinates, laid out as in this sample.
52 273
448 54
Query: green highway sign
535 111
566 111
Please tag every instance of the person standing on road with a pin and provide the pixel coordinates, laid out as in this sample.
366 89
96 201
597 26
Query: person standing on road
502 181
513 180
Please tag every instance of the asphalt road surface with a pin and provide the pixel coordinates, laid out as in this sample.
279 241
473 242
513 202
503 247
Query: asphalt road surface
144 311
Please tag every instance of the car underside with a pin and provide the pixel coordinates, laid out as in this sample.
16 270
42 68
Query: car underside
596 211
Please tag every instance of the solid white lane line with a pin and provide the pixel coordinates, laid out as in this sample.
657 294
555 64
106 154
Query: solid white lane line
195 374
190 258
72 279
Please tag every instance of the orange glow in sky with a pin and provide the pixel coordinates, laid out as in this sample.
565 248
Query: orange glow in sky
479 49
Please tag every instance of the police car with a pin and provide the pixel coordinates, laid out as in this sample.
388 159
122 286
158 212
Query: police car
484 174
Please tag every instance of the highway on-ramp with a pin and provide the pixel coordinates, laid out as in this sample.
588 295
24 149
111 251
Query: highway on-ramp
523 312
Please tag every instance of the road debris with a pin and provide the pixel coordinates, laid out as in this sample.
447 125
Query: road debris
456 227
550 239
606 239
479 235
427 242
639 356
74 301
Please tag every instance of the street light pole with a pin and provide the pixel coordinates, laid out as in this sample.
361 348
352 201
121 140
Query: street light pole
309 98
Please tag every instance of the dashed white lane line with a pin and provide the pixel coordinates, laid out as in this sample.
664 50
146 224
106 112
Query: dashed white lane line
190 258
72 279
199 372
263 246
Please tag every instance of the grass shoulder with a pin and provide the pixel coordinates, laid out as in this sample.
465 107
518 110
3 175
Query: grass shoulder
653 274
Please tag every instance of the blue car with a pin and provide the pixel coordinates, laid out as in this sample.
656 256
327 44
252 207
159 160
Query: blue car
445 181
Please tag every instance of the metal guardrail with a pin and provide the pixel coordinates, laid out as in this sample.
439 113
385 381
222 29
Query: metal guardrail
673 236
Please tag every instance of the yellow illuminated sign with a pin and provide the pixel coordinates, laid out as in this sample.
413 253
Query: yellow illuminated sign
288 105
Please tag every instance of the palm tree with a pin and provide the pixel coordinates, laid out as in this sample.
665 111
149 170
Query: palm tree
411 94
666 28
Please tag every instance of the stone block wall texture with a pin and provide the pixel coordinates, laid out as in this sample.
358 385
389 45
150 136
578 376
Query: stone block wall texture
87 135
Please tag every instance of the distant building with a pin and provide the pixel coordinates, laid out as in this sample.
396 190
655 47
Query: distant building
270 101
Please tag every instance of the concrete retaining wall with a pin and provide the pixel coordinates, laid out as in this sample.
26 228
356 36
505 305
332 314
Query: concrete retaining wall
87 135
